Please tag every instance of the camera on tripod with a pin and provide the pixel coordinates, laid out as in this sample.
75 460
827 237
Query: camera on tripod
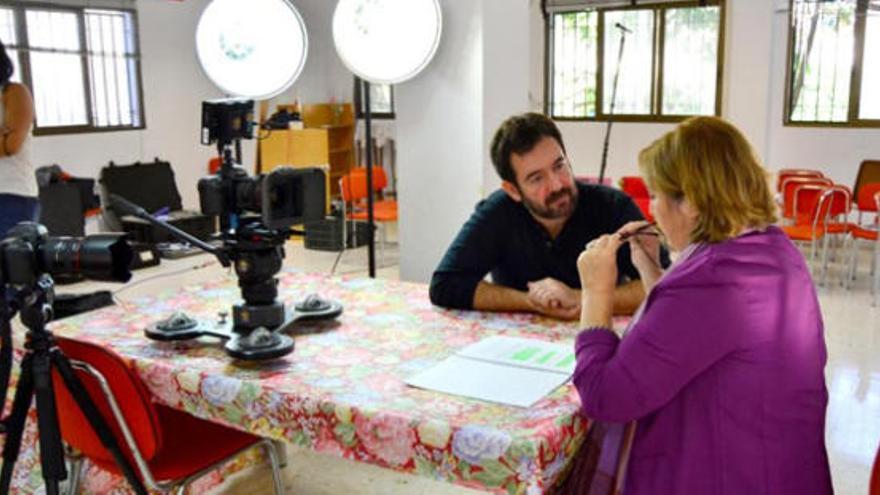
256 219
29 258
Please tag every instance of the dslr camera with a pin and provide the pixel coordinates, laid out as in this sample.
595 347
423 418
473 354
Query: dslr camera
28 251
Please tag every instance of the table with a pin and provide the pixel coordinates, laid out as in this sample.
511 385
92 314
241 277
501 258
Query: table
342 393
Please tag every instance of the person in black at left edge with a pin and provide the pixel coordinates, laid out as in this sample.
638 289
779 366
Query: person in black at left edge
529 234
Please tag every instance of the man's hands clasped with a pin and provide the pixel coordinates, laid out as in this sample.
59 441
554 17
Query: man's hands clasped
555 299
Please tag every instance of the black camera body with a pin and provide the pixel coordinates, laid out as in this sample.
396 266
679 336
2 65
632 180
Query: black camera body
227 120
28 251
284 197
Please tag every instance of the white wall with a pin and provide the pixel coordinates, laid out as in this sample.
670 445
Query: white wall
446 118
440 142
506 65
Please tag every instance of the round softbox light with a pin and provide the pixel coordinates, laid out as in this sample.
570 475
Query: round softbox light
386 41
253 49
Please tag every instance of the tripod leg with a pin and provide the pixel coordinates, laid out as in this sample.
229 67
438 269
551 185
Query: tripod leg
15 423
51 449
96 420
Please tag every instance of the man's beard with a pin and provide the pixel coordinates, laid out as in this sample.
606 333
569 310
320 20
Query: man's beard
549 212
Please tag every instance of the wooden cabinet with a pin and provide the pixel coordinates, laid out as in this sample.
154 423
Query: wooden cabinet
297 148
327 139
338 120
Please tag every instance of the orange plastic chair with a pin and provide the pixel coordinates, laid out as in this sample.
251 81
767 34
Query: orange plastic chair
795 172
353 187
214 165
812 202
871 233
790 185
865 197
841 206
168 448
869 173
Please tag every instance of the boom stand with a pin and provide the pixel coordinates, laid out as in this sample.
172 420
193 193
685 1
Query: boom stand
623 31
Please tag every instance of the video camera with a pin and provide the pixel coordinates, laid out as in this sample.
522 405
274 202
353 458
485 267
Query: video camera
28 251
285 197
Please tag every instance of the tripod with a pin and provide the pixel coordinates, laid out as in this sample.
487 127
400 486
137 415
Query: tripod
40 358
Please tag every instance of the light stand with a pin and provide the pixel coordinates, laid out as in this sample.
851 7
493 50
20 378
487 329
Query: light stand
384 42
623 31
371 227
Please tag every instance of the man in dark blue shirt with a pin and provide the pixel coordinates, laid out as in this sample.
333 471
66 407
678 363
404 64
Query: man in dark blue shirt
530 233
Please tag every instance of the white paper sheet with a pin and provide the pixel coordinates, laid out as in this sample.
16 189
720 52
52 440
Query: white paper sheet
506 370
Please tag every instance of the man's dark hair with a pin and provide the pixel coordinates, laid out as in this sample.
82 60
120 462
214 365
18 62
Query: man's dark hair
6 67
519 134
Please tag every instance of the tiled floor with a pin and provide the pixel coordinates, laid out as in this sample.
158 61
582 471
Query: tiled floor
853 377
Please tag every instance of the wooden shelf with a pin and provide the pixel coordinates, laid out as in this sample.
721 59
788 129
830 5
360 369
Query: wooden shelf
338 121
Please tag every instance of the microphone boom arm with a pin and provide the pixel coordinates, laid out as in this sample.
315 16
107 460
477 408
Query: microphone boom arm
129 208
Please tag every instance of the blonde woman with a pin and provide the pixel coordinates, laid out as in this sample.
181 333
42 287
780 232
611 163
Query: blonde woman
722 366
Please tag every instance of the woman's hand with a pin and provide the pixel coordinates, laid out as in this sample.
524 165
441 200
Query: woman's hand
597 265
644 252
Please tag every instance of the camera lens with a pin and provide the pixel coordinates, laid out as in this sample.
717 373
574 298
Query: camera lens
104 257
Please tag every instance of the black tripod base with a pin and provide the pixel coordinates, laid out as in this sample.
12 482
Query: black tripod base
258 345
247 343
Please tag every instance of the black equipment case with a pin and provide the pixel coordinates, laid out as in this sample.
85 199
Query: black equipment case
152 186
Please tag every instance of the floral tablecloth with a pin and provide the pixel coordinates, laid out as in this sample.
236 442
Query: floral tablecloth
342 392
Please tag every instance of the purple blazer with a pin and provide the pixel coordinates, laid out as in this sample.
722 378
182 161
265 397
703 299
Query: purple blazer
724 373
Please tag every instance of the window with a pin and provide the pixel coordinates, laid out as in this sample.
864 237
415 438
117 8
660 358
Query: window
381 100
669 68
81 64
834 63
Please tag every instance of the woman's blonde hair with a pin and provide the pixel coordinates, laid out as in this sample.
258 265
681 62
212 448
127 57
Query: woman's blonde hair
709 162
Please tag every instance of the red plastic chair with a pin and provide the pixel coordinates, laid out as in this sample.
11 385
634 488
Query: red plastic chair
353 187
795 172
636 188
812 202
869 173
865 197
871 233
168 448
790 185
